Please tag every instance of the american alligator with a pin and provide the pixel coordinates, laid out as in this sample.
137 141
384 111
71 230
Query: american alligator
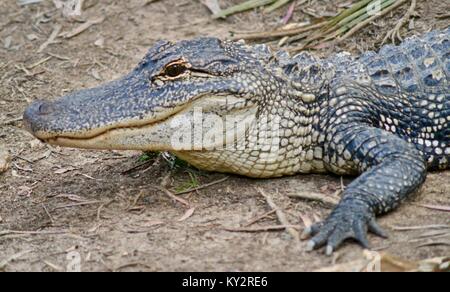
229 107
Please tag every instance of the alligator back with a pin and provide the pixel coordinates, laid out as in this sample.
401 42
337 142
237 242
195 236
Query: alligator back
409 91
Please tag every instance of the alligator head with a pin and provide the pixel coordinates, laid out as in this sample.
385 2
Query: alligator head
202 87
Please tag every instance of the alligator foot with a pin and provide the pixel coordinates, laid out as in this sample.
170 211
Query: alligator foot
348 221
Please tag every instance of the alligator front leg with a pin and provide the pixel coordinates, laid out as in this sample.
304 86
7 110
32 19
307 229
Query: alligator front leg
391 170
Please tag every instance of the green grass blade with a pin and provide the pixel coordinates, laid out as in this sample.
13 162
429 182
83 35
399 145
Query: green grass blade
277 5
251 4
348 12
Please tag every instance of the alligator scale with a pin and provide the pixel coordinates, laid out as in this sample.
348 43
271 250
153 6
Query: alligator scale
383 116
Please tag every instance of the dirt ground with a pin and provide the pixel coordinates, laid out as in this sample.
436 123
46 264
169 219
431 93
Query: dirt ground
104 206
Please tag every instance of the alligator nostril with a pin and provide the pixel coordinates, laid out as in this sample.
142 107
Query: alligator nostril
44 108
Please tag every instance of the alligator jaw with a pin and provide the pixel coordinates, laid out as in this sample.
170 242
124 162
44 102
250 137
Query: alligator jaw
155 134
123 138
109 140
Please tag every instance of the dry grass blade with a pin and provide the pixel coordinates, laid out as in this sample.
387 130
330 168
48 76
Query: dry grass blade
78 30
386 7
76 205
17 232
434 243
51 38
334 30
426 227
265 215
434 234
395 32
349 26
436 208
354 19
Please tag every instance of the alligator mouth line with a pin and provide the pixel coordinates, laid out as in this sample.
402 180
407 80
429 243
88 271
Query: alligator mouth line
78 139
110 130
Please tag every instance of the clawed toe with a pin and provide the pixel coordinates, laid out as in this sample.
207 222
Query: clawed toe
311 230
339 227
377 230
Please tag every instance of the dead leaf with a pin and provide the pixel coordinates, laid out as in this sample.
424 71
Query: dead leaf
7 42
213 5
36 144
187 215
307 221
289 13
5 159
100 42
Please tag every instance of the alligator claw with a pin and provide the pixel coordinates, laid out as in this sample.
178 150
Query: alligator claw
346 222
311 230
377 229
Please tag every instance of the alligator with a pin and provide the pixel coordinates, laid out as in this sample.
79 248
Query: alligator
231 107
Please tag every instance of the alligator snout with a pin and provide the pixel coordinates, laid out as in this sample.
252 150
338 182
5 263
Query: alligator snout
39 108
36 113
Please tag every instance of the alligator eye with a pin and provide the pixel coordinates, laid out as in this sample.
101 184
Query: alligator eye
175 70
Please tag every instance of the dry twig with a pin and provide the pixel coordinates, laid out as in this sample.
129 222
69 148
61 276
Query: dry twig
202 186
280 214
331 201
262 228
